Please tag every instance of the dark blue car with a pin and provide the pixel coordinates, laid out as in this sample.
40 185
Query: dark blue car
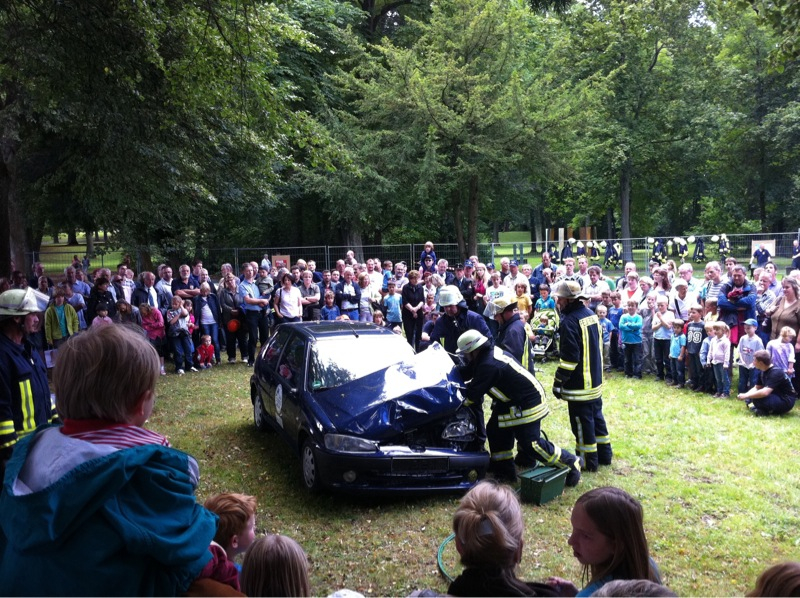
364 412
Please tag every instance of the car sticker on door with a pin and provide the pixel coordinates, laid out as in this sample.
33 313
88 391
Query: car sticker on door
278 399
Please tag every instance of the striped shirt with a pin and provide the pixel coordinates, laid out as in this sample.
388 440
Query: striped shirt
121 436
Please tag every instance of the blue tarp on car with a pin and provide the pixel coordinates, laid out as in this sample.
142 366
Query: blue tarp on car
396 399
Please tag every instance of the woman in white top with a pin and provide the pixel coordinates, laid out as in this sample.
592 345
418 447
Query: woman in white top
288 301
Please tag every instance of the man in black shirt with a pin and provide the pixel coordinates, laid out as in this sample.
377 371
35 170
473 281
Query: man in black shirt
773 394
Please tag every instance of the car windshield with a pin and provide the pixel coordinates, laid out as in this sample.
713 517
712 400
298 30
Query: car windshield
340 360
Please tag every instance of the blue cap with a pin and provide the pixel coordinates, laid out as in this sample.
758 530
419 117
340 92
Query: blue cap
468 264
751 322
513 263
490 266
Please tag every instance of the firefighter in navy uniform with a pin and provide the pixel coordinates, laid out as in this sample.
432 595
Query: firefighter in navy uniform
579 377
518 406
455 319
511 335
24 393
699 251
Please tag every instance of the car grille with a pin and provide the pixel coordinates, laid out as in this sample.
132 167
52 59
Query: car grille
437 465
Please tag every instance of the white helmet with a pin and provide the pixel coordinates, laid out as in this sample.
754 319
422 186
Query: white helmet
470 340
651 240
18 302
571 240
691 239
589 244
580 244
603 244
450 295
714 238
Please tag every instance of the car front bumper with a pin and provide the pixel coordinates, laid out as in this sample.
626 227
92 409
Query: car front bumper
402 469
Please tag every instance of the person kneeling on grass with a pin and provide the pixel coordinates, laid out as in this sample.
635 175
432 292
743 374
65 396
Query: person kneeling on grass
773 393
101 505
518 408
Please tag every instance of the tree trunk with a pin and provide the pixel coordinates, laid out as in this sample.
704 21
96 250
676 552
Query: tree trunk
353 241
458 222
537 229
610 224
17 230
5 231
72 236
472 223
145 261
89 244
625 176
762 189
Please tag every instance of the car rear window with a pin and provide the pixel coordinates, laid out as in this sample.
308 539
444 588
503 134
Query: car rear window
340 360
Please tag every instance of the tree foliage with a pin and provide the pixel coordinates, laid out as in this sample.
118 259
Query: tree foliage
184 125
149 116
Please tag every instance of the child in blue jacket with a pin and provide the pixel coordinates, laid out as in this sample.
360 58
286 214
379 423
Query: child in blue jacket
101 505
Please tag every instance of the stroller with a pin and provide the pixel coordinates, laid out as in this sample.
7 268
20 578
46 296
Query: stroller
545 344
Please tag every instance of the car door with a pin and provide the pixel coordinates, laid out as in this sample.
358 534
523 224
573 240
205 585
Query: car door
268 370
290 386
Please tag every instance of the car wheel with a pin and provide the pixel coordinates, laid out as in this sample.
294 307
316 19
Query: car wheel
310 467
260 414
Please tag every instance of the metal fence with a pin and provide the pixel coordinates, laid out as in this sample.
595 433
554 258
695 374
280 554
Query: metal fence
740 246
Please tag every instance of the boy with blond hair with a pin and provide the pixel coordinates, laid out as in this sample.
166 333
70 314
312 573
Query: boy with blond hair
101 497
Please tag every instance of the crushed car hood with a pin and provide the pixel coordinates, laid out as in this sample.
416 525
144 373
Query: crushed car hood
396 399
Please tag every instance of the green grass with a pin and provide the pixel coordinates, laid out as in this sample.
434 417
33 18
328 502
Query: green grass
719 489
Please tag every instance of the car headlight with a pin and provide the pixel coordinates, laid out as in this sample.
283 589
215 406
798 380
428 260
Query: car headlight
349 444
461 428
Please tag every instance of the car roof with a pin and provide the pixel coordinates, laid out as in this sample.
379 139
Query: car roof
330 329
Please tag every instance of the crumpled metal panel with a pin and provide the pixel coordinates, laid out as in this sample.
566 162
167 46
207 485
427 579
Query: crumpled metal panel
397 399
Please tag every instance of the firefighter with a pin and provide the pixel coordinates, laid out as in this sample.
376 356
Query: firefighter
25 401
511 335
683 249
455 319
579 377
518 406
699 250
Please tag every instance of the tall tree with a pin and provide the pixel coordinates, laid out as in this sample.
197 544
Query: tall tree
649 55
147 112
470 99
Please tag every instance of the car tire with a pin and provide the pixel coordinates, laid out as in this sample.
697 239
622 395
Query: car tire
260 414
308 459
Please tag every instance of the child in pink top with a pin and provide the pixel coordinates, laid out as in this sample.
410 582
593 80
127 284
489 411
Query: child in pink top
101 318
719 356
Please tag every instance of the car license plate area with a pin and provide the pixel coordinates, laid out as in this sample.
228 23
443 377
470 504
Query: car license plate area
405 465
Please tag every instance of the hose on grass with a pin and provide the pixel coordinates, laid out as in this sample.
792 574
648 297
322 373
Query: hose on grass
439 561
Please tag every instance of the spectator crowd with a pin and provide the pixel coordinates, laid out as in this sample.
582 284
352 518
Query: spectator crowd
736 323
